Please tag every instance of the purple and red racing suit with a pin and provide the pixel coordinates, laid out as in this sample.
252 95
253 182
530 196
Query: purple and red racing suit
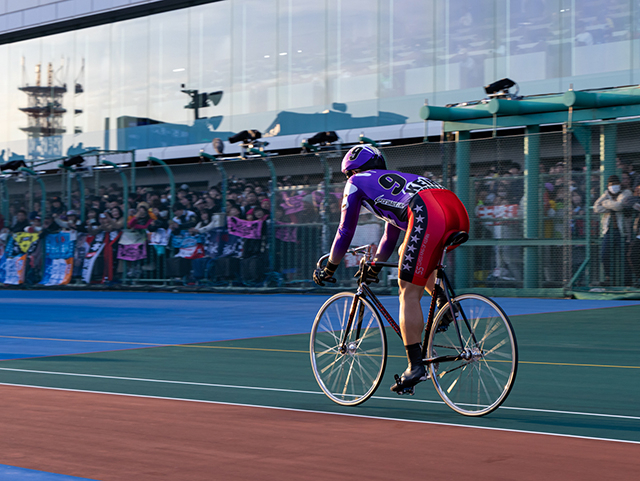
406 202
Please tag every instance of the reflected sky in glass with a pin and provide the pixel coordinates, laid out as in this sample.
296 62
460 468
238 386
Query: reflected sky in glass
281 63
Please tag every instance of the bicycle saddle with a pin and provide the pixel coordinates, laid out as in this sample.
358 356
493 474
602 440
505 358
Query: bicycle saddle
457 238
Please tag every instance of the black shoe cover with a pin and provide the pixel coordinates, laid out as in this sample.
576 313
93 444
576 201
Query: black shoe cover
411 377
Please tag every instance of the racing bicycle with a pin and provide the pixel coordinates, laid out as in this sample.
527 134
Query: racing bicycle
471 355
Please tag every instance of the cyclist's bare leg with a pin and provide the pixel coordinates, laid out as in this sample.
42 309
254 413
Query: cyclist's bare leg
411 324
411 320
431 282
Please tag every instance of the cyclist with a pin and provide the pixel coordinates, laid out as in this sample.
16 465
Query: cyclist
428 213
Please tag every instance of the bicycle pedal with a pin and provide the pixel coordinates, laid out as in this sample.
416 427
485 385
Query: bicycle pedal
407 391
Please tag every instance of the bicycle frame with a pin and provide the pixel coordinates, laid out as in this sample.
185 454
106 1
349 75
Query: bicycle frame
441 280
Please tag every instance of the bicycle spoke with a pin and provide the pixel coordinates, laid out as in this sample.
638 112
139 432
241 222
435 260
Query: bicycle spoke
348 372
472 385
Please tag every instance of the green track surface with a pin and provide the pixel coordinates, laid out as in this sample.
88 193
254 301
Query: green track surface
578 362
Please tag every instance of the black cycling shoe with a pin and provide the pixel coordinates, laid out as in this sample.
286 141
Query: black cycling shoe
445 321
412 376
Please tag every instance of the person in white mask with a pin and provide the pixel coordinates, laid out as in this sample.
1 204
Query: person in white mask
611 205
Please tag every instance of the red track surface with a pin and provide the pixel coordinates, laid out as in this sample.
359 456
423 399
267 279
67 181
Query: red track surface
110 437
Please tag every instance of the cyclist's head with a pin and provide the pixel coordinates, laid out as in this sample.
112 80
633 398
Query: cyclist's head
361 158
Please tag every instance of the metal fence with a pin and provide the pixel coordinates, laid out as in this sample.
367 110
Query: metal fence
530 197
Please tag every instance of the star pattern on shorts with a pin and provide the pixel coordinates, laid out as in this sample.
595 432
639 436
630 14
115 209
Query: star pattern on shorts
406 267
417 208
414 238
408 257
411 248
419 218
418 229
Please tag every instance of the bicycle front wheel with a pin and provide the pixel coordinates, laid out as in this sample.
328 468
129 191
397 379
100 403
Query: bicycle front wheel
478 375
348 373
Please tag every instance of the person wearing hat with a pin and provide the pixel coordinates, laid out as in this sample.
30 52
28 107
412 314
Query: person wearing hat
68 222
141 220
35 224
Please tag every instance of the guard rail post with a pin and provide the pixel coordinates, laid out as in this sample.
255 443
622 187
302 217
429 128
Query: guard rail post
463 253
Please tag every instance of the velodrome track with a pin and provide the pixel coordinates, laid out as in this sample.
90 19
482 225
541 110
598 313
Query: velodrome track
116 385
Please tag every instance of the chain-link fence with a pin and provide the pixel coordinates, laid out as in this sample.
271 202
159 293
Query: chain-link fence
543 220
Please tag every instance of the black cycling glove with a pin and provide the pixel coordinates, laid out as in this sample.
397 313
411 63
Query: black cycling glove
370 273
325 274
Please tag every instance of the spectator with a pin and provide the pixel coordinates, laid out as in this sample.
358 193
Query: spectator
182 219
206 223
21 222
35 224
57 207
92 222
116 218
633 253
141 220
70 222
610 205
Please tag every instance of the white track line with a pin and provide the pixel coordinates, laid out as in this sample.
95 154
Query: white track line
296 391
309 411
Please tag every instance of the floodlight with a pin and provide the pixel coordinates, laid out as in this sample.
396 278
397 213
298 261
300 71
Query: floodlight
71 161
501 86
323 138
246 136
13 165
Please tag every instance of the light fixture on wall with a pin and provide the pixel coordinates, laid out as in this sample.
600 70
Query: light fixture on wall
321 140
249 142
500 88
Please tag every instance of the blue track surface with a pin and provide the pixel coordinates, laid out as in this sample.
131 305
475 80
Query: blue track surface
11 473
48 323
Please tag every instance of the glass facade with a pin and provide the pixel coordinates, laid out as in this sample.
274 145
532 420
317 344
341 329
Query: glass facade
290 67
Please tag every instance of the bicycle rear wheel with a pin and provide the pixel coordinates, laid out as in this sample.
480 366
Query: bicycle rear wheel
349 375
481 377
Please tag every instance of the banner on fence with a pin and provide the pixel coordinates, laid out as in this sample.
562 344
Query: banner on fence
133 245
247 229
58 262
287 234
189 246
95 249
497 211
293 204
13 264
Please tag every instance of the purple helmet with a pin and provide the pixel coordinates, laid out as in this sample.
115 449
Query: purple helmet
361 158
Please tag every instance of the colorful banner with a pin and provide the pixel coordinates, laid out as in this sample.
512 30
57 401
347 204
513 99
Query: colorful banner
189 246
132 252
293 204
287 234
159 237
497 211
247 229
95 249
184 240
58 262
133 245
14 260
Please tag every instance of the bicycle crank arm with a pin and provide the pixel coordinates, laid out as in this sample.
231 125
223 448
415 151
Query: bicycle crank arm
437 359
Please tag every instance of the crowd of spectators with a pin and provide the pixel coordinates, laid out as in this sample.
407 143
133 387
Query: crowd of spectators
498 214
194 212
499 208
